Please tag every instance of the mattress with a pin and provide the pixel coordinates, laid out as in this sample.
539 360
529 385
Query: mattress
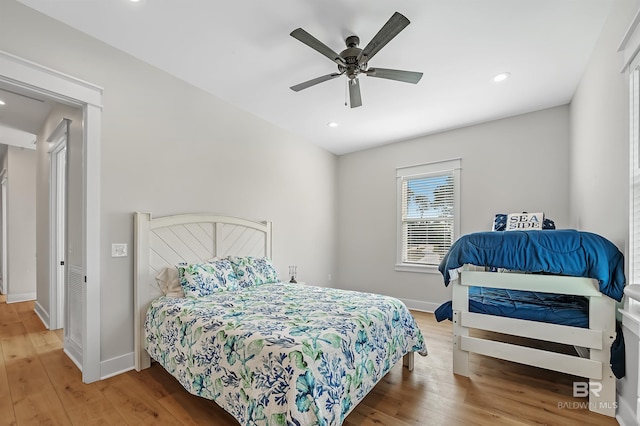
527 305
281 353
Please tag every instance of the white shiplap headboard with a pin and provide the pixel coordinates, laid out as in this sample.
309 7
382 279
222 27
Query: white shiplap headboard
166 241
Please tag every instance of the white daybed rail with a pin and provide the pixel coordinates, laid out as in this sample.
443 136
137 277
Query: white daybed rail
598 338
165 241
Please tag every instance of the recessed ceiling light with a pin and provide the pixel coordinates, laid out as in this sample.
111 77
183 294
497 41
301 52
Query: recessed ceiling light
332 124
501 77
2 102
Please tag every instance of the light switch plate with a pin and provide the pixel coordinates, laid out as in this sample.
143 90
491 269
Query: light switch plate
119 250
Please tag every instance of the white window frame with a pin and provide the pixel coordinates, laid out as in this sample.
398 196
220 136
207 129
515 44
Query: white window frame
452 166
629 49
634 200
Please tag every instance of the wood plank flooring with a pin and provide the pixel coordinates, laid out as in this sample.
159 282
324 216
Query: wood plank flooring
39 385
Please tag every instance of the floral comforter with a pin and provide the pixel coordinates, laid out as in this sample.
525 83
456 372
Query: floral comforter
282 354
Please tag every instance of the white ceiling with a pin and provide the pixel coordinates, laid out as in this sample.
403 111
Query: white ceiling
241 51
21 117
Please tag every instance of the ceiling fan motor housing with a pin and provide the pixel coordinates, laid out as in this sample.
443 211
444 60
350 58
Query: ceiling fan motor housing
350 56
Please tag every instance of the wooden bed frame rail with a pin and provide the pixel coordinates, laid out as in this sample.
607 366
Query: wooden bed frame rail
598 338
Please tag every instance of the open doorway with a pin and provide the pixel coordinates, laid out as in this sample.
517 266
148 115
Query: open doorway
3 218
30 78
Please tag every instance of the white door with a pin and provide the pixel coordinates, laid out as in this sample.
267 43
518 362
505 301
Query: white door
58 184
3 283
61 182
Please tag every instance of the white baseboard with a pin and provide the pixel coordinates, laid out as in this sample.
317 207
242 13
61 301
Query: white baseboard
73 350
117 365
42 314
21 297
419 305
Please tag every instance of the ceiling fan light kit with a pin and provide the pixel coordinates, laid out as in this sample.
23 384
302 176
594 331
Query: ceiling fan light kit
354 61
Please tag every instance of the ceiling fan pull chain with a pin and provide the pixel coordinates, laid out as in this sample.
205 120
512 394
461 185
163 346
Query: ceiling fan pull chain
346 89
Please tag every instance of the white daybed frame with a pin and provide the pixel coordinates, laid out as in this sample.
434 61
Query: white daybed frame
165 241
598 338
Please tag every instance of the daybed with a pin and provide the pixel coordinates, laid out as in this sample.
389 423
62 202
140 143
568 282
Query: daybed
551 285
269 353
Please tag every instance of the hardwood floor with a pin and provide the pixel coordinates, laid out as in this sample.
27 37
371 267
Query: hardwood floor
39 385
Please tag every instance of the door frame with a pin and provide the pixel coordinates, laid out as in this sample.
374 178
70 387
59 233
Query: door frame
28 76
57 224
3 219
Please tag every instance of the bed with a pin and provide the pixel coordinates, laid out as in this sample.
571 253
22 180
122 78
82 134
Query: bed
556 286
267 352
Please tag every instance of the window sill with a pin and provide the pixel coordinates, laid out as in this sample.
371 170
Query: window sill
631 314
425 269
633 291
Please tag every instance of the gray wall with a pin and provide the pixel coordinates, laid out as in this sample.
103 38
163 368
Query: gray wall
600 135
510 165
168 148
600 162
21 224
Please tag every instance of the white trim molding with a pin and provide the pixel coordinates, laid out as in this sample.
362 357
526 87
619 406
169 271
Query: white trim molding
631 312
38 79
451 168
21 297
630 44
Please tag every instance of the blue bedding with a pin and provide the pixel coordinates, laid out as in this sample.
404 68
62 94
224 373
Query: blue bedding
544 307
561 252
527 305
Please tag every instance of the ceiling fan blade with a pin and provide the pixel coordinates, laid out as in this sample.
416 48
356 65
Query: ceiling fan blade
313 82
392 28
399 75
316 45
355 99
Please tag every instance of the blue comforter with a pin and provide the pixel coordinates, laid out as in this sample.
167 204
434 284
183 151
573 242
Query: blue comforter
562 252
527 305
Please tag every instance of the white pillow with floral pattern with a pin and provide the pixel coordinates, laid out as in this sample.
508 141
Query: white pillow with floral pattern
202 279
252 271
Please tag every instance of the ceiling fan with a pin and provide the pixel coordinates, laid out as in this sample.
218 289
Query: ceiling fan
354 61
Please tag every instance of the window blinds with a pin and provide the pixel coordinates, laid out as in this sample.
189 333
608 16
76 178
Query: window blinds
428 216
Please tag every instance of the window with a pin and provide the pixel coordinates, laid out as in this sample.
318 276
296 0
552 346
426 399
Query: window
634 225
629 49
634 244
428 214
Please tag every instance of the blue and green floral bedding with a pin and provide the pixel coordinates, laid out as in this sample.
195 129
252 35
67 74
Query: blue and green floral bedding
280 353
